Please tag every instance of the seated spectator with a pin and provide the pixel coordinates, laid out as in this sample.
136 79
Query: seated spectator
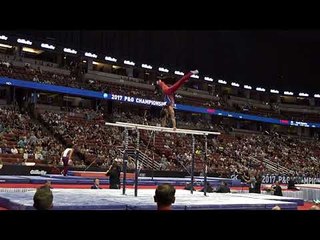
208 188
96 184
14 150
43 199
291 184
223 188
25 155
38 155
6 149
277 190
188 187
165 196
22 142
33 139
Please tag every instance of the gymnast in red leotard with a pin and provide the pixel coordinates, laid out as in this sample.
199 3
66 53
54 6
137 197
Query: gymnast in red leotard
168 109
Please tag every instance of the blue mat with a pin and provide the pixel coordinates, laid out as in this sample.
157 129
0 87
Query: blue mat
13 179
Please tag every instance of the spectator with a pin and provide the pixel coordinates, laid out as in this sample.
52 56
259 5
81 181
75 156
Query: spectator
291 184
223 188
209 188
188 187
43 199
96 184
165 196
277 189
252 181
22 142
14 150
257 185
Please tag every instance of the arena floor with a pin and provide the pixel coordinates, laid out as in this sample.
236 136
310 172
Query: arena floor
74 193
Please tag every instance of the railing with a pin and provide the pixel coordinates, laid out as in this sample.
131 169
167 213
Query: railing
274 167
143 159
278 167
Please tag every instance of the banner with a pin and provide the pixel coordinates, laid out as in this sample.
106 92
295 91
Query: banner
138 100
283 179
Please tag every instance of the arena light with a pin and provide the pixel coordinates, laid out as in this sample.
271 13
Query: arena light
23 41
303 94
260 89
317 95
288 93
29 164
208 79
84 61
129 63
45 45
111 59
274 91
222 81
89 54
146 66
161 69
247 87
3 37
235 84
31 50
69 50
178 73
5 45
194 76
95 63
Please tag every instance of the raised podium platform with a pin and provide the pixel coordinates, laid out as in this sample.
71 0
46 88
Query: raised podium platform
113 199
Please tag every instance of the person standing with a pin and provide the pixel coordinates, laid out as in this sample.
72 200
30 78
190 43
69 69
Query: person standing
114 176
66 158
